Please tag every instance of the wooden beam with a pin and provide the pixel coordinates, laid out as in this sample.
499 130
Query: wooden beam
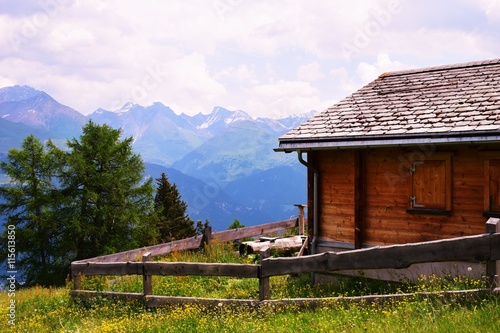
77 281
306 303
106 268
156 250
257 230
313 303
287 245
202 269
159 301
301 216
147 280
207 236
359 198
264 289
471 248
493 266
89 294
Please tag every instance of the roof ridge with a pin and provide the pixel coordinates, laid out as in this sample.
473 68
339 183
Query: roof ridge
494 61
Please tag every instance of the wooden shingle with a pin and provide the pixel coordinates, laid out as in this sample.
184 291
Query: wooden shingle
444 104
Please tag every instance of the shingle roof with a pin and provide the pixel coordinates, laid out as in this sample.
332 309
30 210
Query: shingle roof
452 103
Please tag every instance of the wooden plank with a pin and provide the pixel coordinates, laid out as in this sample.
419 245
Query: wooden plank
341 183
471 248
494 185
334 209
340 233
493 266
304 303
302 222
77 281
334 198
313 303
89 294
106 268
147 280
280 245
156 250
379 236
495 254
486 184
464 188
264 288
161 301
261 229
359 198
202 269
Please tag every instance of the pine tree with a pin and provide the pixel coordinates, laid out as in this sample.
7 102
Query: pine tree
174 223
69 205
33 206
111 205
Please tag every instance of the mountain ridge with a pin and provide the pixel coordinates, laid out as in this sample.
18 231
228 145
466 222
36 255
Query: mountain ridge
206 153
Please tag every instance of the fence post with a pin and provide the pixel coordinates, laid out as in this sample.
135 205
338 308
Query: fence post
77 280
493 266
147 280
264 290
207 236
301 218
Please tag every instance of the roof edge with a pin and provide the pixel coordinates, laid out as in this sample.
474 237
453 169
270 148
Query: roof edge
494 61
387 141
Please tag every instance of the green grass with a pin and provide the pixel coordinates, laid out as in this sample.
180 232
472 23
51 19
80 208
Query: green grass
51 310
43 310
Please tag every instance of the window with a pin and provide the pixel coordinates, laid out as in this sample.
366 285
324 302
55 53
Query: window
492 187
430 189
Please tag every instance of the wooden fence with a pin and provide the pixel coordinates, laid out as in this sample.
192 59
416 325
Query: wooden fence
197 242
477 248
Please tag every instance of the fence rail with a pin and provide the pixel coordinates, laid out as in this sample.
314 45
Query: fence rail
196 242
478 248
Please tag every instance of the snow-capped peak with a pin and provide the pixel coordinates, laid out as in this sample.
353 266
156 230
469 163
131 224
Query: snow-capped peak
125 108
220 114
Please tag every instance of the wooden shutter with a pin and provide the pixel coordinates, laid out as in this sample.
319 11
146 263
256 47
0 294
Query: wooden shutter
494 185
429 180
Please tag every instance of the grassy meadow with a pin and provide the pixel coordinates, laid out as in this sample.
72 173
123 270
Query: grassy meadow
42 310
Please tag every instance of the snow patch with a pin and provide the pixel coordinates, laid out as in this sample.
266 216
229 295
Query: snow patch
125 108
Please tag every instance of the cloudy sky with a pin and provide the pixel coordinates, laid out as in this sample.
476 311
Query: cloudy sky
268 58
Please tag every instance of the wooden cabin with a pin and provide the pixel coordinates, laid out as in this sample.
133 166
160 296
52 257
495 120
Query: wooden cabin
412 156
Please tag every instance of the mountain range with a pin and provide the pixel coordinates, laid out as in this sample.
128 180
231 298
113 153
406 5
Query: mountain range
222 162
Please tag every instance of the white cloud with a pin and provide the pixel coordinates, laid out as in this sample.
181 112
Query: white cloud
5 81
282 98
369 72
345 82
69 37
185 84
241 73
310 72
491 9
258 56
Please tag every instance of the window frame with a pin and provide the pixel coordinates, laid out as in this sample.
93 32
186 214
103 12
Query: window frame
413 208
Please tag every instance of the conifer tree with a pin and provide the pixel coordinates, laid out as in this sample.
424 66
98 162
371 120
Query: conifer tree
173 222
111 205
89 200
32 205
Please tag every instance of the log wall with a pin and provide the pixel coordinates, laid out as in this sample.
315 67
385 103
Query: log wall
383 217
336 189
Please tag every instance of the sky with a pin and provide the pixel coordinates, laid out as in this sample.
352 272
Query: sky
268 58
